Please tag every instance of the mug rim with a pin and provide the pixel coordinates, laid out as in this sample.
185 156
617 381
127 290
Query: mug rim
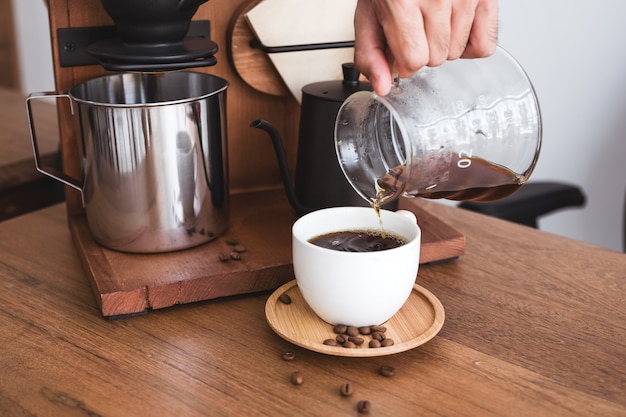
415 239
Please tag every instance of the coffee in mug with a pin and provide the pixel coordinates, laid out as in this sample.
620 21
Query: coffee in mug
359 240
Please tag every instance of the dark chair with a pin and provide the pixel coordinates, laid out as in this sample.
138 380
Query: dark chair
532 201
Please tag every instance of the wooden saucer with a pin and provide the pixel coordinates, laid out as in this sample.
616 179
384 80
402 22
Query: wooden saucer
418 321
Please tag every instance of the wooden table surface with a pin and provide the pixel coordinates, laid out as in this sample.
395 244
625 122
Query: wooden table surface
535 325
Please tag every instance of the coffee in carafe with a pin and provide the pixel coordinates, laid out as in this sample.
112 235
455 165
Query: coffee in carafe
497 182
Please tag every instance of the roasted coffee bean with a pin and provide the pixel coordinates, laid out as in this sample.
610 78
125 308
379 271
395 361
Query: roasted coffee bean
352 331
387 371
289 356
378 336
349 345
297 378
346 390
387 342
284 298
363 406
239 248
378 328
356 340
341 339
224 257
235 256
340 328
374 343
330 342
365 330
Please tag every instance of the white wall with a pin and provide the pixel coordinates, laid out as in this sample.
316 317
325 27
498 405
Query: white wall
33 43
572 50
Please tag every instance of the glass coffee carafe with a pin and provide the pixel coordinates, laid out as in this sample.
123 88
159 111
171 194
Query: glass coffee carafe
469 129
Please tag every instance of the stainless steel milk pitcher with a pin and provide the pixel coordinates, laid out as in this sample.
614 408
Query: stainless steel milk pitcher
153 158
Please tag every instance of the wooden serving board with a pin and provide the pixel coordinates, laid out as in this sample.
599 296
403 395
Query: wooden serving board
127 284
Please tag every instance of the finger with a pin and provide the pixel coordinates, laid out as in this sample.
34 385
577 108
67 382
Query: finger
370 48
462 19
484 34
376 69
437 17
402 25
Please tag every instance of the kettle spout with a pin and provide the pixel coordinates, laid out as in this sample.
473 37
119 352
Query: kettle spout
282 164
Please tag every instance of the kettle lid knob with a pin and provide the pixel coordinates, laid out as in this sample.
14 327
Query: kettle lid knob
337 91
350 74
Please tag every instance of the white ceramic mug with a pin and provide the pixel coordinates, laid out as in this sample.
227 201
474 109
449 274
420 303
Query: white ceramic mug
355 288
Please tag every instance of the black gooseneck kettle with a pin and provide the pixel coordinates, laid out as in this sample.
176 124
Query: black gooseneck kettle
319 180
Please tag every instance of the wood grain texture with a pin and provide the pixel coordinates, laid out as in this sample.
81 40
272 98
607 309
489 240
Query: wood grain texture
252 64
134 283
9 63
535 326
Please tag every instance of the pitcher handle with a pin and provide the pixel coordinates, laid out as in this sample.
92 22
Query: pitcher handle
48 170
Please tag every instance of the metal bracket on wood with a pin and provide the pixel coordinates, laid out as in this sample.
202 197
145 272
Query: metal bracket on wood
74 42
257 44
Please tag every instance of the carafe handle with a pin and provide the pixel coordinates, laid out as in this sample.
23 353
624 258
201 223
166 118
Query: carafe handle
48 170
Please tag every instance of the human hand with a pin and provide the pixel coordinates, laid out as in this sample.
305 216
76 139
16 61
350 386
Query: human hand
402 36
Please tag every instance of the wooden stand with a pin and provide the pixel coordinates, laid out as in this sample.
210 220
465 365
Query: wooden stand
126 284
